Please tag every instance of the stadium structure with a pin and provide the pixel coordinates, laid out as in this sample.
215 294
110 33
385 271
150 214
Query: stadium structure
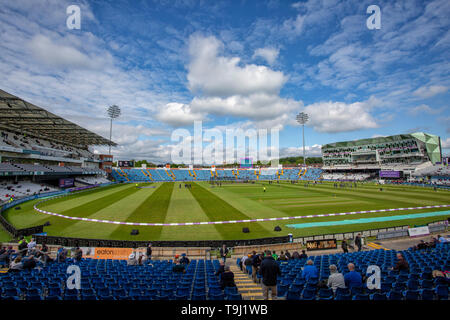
41 152
55 190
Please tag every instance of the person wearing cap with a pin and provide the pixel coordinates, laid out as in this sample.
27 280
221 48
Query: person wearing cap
132 259
184 260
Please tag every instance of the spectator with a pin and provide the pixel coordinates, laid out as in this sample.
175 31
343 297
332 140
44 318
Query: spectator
295 255
269 271
149 252
221 269
227 278
178 267
282 256
16 265
32 245
336 279
242 262
344 246
358 241
184 260
288 254
28 263
256 262
223 253
442 239
401 264
303 255
61 254
78 254
23 245
422 245
352 278
310 271
274 256
132 261
248 262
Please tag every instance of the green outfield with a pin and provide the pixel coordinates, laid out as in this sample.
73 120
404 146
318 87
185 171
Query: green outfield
168 203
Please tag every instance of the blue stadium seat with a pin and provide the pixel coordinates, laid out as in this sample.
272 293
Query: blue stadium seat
442 291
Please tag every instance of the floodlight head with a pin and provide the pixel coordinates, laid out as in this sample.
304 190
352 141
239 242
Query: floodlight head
302 118
113 111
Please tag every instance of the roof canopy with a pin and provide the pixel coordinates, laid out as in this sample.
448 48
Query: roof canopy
17 114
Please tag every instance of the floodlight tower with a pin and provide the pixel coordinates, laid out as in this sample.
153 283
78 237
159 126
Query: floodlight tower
113 113
302 118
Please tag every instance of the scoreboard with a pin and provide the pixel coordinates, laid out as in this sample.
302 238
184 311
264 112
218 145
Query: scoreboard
129 164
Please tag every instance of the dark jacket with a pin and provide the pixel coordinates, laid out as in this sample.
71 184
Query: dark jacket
227 280
256 261
269 271
149 251
223 253
401 264
358 241
221 270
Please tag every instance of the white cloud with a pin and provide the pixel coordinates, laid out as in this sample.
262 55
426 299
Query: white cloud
213 75
269 54
50 53
430 91
178 114
258 106
445 144
423 108
310 151
332 117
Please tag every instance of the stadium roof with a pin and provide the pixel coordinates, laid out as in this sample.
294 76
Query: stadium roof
20 115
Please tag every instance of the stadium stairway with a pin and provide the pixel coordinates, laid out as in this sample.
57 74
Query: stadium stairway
246 287
375 246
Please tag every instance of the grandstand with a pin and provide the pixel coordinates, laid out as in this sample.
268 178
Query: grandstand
406 155
219 174
38 149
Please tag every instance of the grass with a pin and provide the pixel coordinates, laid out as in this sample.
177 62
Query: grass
168 203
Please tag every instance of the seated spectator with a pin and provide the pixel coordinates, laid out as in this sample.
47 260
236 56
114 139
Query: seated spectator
184 260
310 271
295 255
132 261
352 278
227 278
28 262
16 265
178 267
336 279
61 255
282 256
401 264
288 254
78 254
23 246
422 245
303 255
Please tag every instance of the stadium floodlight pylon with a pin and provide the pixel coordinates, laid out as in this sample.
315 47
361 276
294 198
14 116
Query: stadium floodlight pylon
302 118
113 113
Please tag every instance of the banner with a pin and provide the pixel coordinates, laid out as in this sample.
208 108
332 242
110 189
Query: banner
321 244
417 232
112 253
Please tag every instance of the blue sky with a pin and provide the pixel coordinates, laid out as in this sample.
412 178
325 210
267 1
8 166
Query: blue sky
232 64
